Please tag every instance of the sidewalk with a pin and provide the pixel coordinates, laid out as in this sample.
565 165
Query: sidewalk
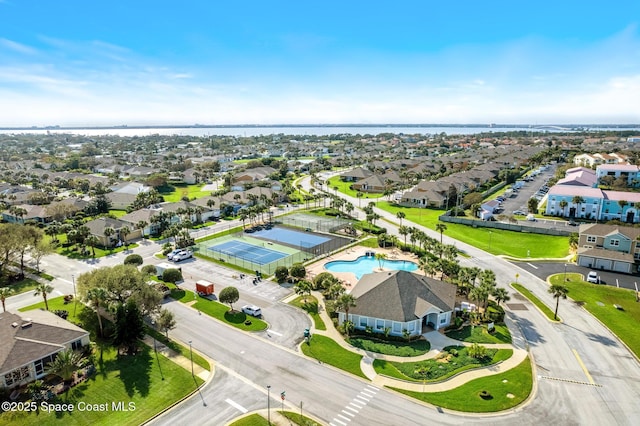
182 361
438 342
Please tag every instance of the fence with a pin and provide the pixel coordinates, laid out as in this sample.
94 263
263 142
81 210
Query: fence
506 226
315 223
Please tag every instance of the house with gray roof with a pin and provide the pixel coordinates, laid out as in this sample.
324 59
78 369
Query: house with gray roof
31 340
609 247
400 300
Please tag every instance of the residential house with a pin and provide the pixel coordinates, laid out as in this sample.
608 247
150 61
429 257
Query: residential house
488 208
98 226
28 213
630 173
609 247
31 340
120 200
400 300
355 175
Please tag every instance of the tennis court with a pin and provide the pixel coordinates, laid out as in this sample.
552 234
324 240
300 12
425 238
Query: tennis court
242 250
293 238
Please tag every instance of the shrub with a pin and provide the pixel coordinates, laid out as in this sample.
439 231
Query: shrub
149 269
133 259
298 271
172 275
323 280
281 274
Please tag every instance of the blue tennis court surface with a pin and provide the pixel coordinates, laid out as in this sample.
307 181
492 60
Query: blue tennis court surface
249 252
295 238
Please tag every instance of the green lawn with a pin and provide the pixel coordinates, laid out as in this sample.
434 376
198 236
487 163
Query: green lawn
180 294
22 286
72 252
146 383
517 382
236 318
326 350
175 192
118 213
532 297
408 349
311 307
498 242
441 368
623 323
177 347
479 334
251 420
298 419
75 308
344 188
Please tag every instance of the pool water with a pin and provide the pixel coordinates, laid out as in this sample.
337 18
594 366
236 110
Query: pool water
367 264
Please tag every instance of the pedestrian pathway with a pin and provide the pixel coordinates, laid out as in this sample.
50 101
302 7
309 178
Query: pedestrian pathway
174 356
438 342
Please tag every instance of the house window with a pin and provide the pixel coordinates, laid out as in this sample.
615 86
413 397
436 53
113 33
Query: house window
614 243
636 255
591 239
397 326
443 319
379 324
16 376
363 321
76 345
41 364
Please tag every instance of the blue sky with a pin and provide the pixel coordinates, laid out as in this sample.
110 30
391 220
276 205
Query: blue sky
115 62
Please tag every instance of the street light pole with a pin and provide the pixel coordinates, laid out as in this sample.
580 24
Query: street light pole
490 234
191 355
565 272
75 302
269 403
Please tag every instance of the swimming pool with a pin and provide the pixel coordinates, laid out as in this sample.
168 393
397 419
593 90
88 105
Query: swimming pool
367 264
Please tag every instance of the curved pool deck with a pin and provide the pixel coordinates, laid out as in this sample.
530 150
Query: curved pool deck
349 279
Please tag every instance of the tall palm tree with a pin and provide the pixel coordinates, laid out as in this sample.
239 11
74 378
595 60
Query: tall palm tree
501 295
380 257
4 293
43 290
96 297
108 232
92 241
141 225
563 205
404 230
124 233
303 288
441 227
345 302
558 291
577 200
401 215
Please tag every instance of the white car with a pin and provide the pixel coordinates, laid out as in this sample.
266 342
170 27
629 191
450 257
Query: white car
184 254
593 277
173 253
252 310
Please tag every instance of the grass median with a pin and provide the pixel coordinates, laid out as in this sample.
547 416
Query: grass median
601 302
534 299
234 318
329 352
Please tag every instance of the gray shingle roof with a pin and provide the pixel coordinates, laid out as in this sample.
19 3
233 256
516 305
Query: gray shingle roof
400 295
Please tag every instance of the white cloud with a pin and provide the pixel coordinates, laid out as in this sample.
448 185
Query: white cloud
17 47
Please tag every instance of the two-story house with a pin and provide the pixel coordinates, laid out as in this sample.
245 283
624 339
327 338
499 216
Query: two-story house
609 247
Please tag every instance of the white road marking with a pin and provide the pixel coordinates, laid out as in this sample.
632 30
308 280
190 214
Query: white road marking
361 400
352 409
348 413
236 405
534 267
368 393
342 423
274 332
359 406
364 397
372 387
343 417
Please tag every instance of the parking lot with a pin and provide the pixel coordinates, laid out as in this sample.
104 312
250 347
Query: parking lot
518 201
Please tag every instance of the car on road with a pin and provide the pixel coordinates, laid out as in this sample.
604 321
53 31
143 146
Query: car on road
252 310
173 253
521 212
184 254
592 277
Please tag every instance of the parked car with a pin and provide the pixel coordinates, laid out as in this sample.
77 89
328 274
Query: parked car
184 254
252 310
523 213
173 253
592 277
572 222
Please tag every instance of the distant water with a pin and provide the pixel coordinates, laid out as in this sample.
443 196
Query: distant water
301 130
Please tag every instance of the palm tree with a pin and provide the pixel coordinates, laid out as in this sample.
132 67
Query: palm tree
563 204
108 232
141 225
577 200
622 204
4 293
65 364
400 216
441 227
345 302
380 257
96 296
303 288
501 295
43 289
124 232
558 291
404 230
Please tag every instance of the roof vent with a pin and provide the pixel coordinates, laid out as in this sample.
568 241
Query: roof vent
26 324
14 324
